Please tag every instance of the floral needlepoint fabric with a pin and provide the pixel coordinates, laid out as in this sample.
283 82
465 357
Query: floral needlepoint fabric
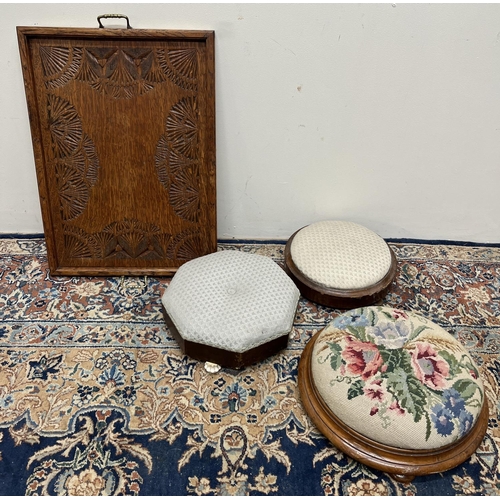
397 378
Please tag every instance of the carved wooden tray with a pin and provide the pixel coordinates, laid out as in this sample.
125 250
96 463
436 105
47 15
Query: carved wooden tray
123 129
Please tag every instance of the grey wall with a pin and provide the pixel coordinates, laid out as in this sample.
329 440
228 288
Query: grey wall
384 114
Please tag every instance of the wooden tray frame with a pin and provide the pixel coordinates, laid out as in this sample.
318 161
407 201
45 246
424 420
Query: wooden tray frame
153 248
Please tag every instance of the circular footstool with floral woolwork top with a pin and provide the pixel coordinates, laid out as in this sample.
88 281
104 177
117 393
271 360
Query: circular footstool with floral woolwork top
394 391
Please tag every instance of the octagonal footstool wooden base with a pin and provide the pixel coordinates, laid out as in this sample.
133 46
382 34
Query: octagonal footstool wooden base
340 264
394 391
230 308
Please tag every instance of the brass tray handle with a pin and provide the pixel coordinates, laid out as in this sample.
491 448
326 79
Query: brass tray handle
112 16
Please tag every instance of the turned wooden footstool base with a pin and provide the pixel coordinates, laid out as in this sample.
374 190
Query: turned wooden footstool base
340 264
394 391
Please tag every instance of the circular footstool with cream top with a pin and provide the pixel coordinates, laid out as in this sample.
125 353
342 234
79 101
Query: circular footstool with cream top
230 308
340 264
394 391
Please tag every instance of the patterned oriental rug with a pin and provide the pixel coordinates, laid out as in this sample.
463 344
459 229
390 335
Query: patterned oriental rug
96 397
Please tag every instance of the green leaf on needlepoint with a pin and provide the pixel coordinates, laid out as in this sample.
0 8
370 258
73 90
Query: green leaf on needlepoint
417 332
356 389
466 388
396 358
408 392
454 365
336 355
428 427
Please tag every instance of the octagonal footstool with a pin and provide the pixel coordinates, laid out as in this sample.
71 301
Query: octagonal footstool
394 391
230 308
340 264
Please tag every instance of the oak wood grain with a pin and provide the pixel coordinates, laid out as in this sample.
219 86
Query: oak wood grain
123 130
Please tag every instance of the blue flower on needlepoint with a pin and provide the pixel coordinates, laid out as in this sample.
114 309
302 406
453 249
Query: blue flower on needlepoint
390 335
17 357
112 376
234 397
443 420
350 319
48 294
465 421
453 401
465 268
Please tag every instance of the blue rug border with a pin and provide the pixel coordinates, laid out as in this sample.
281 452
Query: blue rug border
389 240
240 241
14 236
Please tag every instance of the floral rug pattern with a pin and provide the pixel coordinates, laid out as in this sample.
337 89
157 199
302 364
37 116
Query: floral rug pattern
96 398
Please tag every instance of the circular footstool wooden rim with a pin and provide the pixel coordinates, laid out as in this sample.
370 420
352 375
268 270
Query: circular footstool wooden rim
335 297
403 465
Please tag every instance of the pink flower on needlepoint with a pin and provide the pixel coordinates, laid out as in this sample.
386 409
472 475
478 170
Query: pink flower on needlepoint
430 368
374 390
396 408
397 314
363 358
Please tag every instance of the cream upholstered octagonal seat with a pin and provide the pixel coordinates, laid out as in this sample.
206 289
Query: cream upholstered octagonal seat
231 308
340 264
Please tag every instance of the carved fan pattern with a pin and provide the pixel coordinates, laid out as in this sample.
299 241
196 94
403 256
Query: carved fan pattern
182 127
127 239
132 239
59 64
180 66
184 194
176 159
186 246
120 74
75 160
65 126
77 243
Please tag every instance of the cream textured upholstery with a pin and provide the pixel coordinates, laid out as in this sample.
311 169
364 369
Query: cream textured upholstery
231 300
340 255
